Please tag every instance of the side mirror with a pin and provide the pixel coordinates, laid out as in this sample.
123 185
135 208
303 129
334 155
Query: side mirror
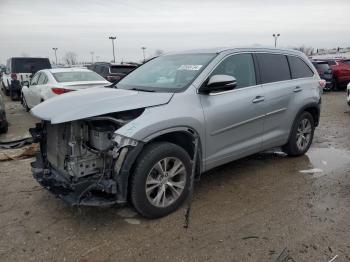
219 83
25 83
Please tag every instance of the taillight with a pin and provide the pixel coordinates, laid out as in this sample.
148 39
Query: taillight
322 83
60 91
13 76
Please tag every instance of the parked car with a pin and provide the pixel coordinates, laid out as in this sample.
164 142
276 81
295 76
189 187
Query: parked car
48 83
138 141
3 120
112 72
348 94
20 69
117 72
2 71
325 71
341 72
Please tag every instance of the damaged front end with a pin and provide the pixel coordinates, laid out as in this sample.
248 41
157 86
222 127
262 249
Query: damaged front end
84 162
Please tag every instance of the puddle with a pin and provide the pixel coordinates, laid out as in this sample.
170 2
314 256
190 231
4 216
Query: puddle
325 160
311 171
132 221
128 215
126 212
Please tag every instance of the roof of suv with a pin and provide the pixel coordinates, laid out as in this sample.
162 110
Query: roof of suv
232 49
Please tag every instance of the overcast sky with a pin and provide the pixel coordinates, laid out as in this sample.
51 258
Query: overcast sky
33 27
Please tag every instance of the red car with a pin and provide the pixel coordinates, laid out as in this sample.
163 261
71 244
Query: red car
341 72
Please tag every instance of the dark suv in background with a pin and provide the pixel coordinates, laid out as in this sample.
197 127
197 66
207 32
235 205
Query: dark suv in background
325 71
112 72
20 69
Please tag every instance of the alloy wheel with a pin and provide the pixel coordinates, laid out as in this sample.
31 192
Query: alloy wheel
166 182
304 134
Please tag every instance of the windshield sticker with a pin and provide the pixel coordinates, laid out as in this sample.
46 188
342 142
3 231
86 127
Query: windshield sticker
190 67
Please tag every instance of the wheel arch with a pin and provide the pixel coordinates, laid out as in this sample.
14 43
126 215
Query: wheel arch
313 109
182 136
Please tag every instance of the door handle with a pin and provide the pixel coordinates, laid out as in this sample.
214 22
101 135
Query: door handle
258 99
297 89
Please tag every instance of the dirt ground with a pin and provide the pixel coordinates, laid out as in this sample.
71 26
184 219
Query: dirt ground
249 210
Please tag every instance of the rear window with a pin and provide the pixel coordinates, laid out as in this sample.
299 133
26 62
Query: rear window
121 69
322 66
29 65
331 62
299 68
273 68
77 76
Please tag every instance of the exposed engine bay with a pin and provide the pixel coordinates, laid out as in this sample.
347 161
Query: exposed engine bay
81 160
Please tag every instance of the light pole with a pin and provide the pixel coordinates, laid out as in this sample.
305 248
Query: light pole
113 38
143 51
92 57
276 36
55 49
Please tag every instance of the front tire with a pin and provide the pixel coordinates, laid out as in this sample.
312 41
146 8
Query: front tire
24 103
7 90
160 183
301 135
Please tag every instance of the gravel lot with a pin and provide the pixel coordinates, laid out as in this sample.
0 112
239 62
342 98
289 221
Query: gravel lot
249 210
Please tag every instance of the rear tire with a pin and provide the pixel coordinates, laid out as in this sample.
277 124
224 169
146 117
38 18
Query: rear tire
7 90
12 95
4 128
335 85
155 190
301 135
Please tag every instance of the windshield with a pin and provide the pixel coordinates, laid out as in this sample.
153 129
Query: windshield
169 73
29 65
77 76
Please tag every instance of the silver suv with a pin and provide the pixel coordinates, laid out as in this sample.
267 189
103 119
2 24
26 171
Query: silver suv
136 141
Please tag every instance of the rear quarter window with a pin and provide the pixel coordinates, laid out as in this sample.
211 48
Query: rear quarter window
298 68
273 67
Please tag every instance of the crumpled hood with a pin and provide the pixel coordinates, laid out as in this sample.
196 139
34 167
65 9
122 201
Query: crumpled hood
94 102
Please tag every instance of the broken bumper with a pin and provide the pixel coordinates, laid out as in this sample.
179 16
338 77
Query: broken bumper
87 192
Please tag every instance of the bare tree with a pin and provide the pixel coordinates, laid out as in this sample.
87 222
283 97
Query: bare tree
70 58
307 50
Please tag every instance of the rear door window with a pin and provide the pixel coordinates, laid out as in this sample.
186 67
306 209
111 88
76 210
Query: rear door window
35 79
43 79
273 67
299 68
241 67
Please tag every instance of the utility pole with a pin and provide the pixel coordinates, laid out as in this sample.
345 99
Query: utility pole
276 36
92 57
113 38
143 51
55 49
